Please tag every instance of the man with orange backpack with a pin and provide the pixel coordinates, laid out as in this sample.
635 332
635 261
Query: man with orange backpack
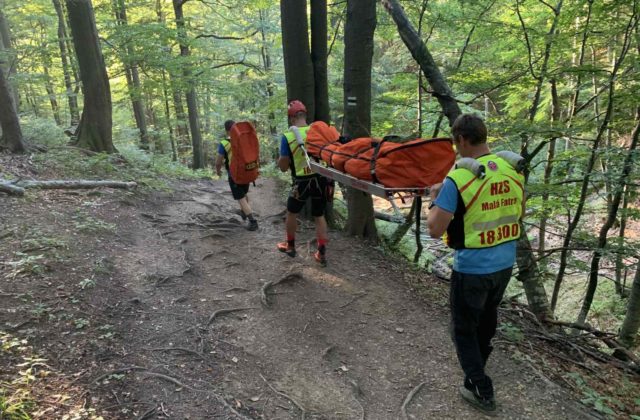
306 184
239 191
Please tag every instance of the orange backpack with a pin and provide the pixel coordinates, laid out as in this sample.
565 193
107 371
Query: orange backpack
417 163
245 153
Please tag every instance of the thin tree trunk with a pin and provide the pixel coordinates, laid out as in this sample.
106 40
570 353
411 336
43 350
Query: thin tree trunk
192 103
585 184
9 122
627 167
548 169
631 323
72 97
423 9
623 227
266 63
319 59
94 131
45 57
167 115
132 75
421 54
298 68
358 54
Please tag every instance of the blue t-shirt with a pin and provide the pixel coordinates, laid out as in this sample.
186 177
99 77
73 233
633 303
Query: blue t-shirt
285 150
221 150
475 261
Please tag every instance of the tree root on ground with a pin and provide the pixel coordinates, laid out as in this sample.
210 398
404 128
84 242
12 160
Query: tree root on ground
18 187
414 391
282 394
289 277
224 311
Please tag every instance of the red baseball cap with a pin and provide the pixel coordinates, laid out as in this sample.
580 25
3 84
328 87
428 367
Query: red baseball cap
295 107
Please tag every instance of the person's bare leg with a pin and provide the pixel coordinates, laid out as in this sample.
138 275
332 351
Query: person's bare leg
244 206
291 224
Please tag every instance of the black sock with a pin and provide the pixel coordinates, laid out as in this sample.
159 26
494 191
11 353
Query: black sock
250 217
292 243
322 249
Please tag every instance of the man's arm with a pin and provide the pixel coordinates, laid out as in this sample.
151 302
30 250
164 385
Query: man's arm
438 221
219 162
443 208
283 163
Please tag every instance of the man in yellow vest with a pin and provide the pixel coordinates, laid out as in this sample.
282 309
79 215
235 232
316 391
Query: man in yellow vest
239 192
306 184
480 212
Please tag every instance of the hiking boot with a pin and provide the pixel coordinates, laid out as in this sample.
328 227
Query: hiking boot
241 214
253 225
287 249
485 405
320 258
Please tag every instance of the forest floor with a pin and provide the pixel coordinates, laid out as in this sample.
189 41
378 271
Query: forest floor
127 305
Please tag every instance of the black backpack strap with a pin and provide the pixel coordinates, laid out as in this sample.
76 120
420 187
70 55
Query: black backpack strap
372 165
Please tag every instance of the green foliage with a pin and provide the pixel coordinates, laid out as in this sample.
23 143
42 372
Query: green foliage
511 332
601 403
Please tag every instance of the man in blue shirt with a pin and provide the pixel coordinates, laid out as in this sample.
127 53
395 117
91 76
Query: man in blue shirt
480 213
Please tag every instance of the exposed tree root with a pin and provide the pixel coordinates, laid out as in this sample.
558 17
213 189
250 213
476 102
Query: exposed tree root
358 296
180 349
282 394
289 277
414 391
224 311
117 371
170 379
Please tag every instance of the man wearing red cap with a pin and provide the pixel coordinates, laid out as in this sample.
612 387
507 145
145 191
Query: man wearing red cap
306 184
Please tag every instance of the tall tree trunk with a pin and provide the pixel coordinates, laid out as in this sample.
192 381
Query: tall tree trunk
9 122
358 54
132 75
192 103
72 97
631 323
619 258
548 169
627 167
45 58
10 65
564 253
298 68
319 59
266 64
421 54
94 131
167 116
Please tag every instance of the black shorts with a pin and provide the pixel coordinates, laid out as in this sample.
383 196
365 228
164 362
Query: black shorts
312 187
239 191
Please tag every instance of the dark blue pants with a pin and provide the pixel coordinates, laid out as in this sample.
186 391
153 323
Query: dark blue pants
474 303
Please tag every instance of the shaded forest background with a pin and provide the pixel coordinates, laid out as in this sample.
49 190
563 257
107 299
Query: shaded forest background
556 81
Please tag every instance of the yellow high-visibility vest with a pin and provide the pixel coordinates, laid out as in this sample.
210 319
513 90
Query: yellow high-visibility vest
298 157
492 205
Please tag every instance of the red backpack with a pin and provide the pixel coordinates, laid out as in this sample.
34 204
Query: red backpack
245 153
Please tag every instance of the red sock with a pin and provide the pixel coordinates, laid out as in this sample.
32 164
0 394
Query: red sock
322 242
291 239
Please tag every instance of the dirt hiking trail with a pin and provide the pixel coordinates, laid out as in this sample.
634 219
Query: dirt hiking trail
179 288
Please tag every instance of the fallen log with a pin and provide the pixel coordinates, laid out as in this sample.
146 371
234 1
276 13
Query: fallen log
18 187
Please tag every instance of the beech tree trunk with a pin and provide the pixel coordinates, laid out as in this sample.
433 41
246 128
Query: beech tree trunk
132 76
192 104
631 323
319 59
298 68
358 54
72 97
9 122
10 65
48 83
94 132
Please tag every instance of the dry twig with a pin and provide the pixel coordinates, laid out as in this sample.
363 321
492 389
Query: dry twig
224 311
414 391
